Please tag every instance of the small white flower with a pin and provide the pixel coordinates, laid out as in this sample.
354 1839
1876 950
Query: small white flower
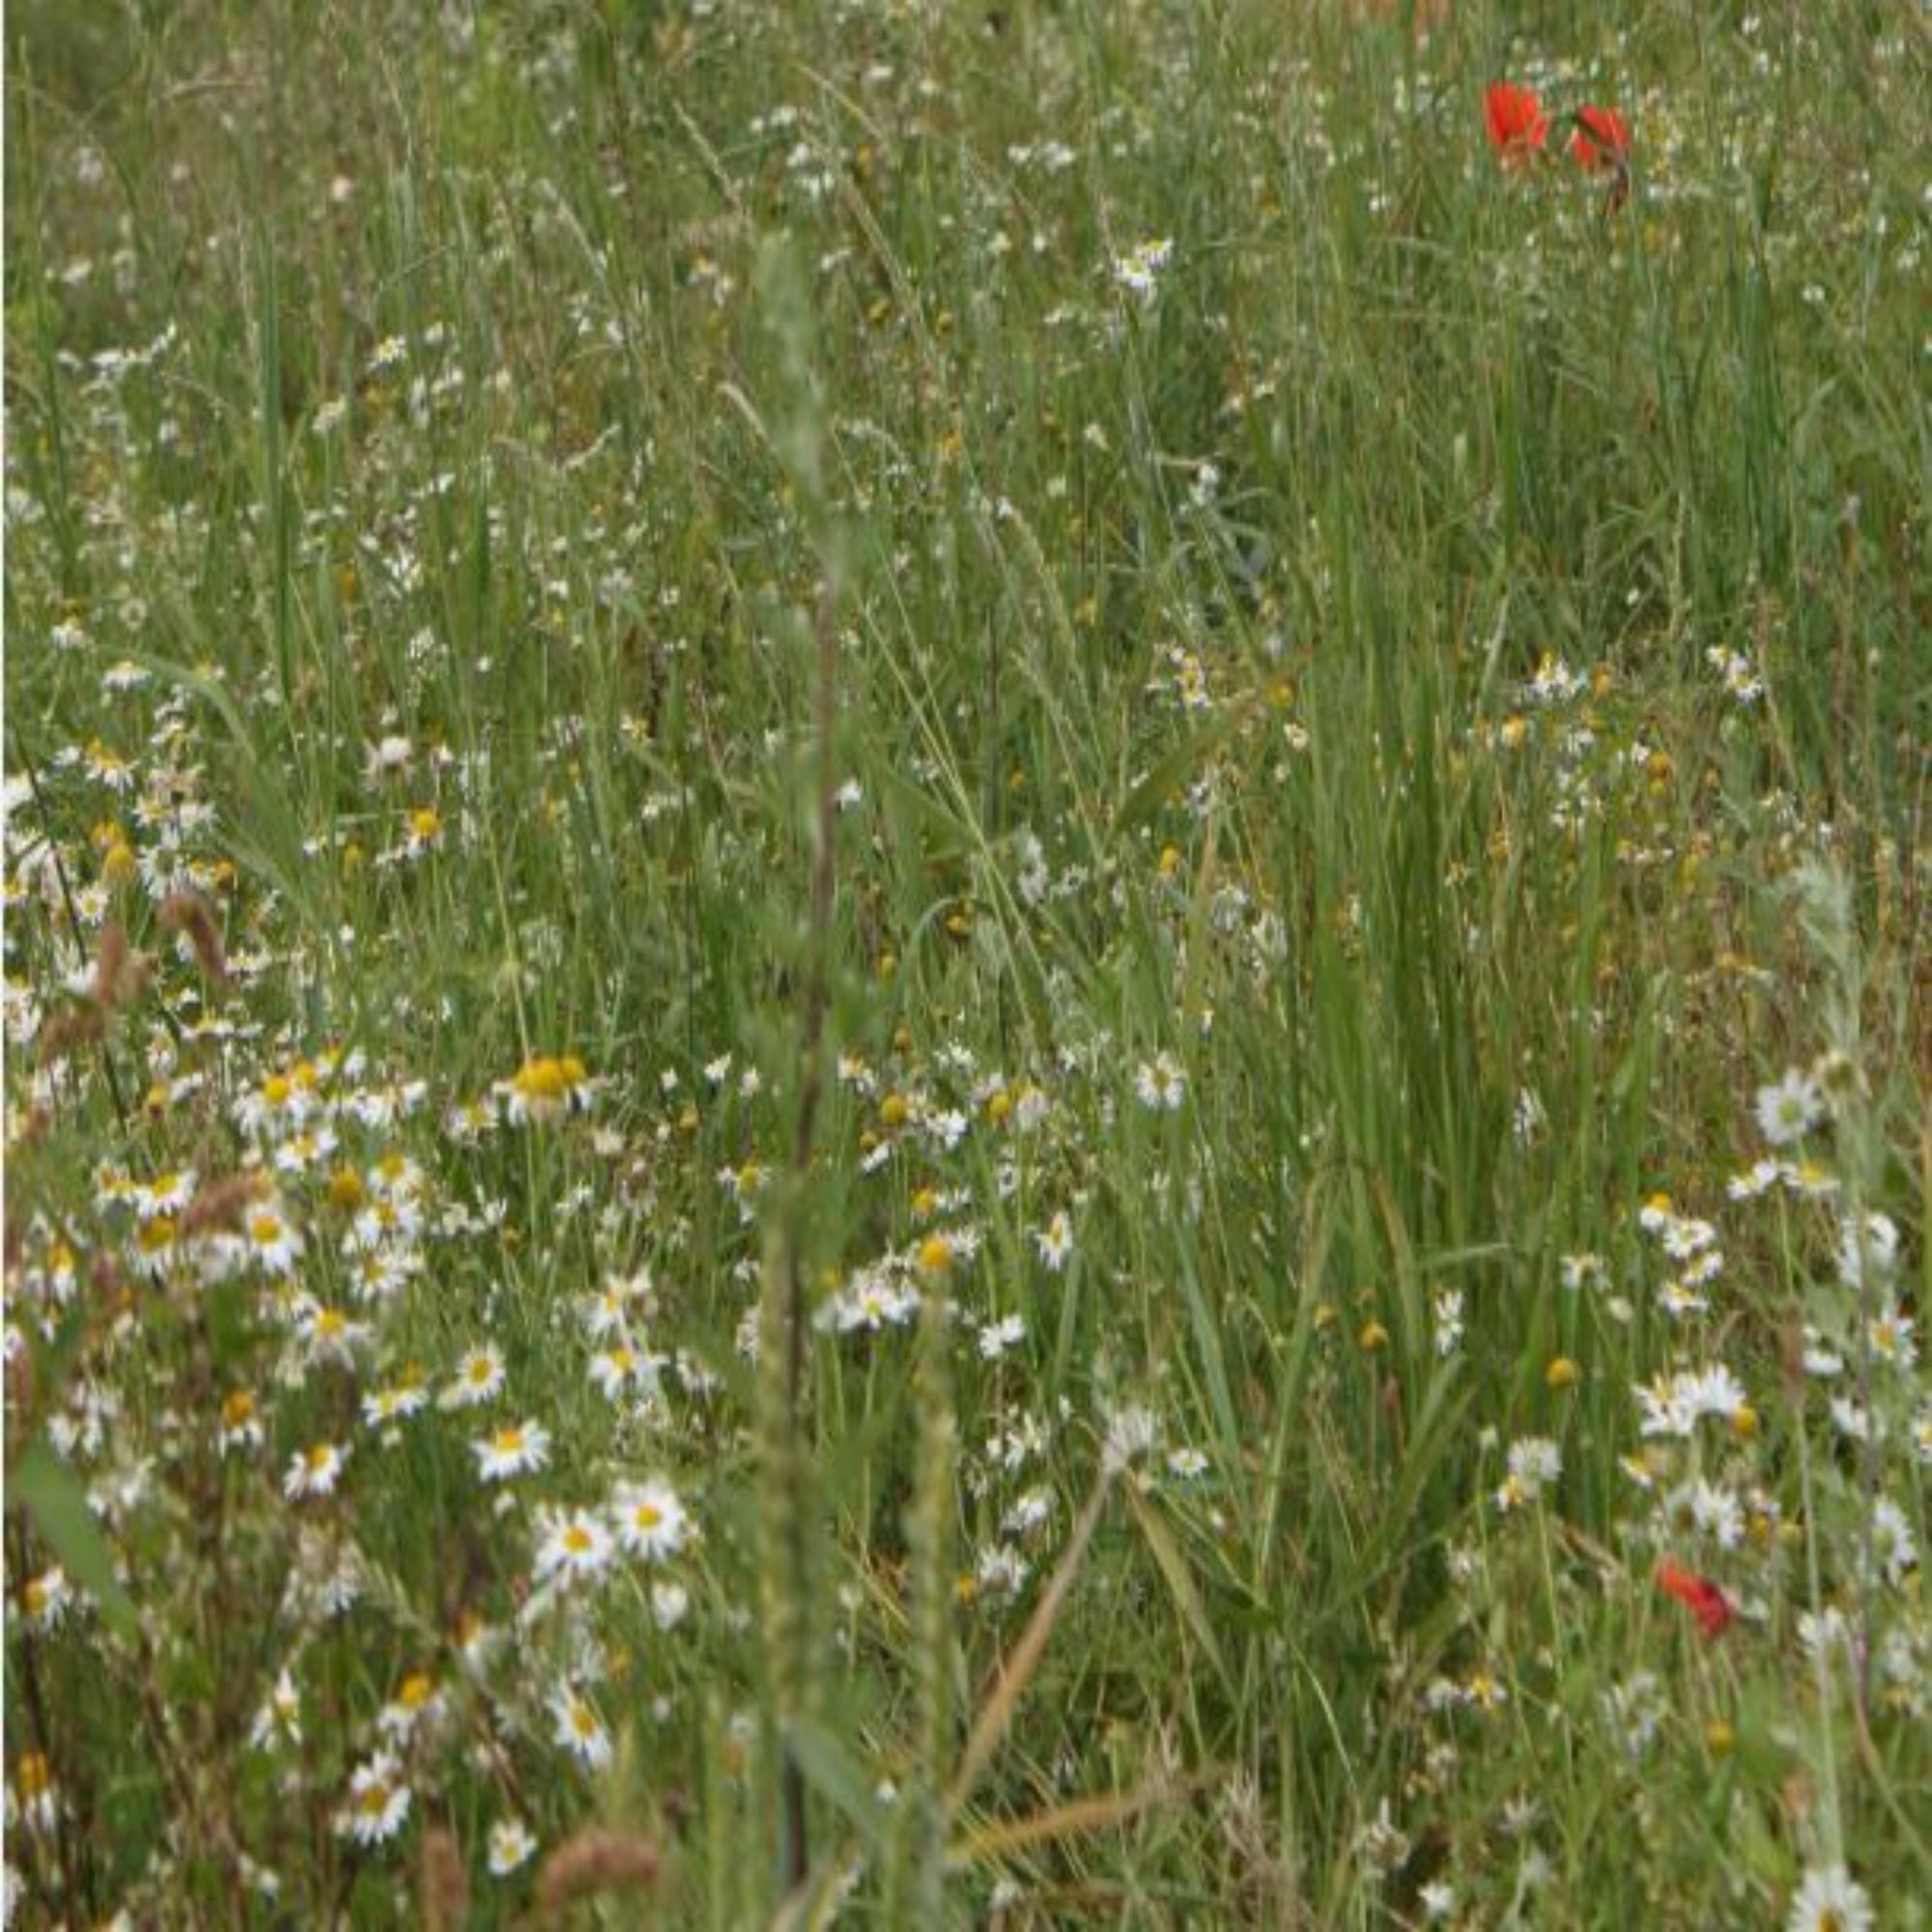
1790 1109
575 1544
378 1801
1055 1241
998 1338
1829 1900
1893 1543
650 1520
1868 1247
271 1239
1138 271
511 1845
512 1451
1160 1083
279 1720
47 1597
1582 1272
579 1729
478 1379
314 1471
1534 1463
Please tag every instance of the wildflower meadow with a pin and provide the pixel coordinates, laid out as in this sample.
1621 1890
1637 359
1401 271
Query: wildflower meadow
968 963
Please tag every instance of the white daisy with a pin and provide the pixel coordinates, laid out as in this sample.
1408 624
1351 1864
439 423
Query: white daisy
378 1801
511 1845
575 1544
314 1471
580 1730
478 1379
512 1451
650 1520
1829 1900
1788 1110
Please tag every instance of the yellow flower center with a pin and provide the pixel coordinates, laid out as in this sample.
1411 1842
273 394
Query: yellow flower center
542 1079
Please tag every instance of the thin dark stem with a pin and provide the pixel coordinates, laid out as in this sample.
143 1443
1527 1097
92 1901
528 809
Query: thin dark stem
796 1854
40 1724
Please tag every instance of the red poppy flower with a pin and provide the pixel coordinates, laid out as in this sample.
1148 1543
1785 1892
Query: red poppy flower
1514 119
1601 140
1699 1595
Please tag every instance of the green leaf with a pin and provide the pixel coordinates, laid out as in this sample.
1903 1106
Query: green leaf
53 1494
1179 1579
837 1777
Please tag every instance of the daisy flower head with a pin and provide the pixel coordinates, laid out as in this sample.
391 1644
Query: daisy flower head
1055 1241
1139 270
619 1367
575 1544
282 1104
546 1087
1160 1083
271 1239
279 1719
328 1335
378 1801
314 1471
579 1729
1829 1900
478 1379
239 1426
385 1407
1789 1108
415 1702
46 1599
1534 1463
514 1450
511 1845
650 1520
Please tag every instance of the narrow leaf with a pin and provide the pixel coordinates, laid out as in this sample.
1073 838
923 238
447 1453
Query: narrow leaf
53 1494
1180 1577
990 1726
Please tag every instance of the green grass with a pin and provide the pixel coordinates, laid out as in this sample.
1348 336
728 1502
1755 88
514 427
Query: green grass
497 500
